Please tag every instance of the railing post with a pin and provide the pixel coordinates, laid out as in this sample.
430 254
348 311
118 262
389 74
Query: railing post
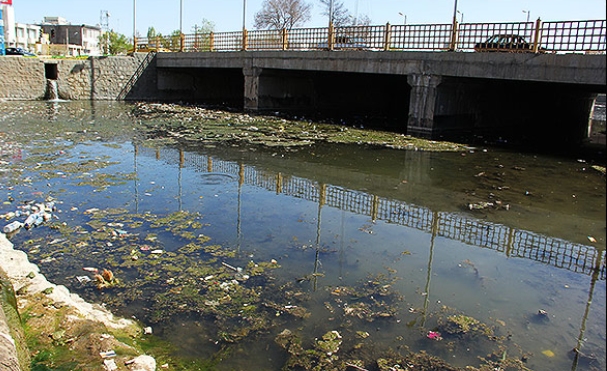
387 36
331 40
537 35
279 183
374 208
211 41
134 44
245 39
284 38
453 37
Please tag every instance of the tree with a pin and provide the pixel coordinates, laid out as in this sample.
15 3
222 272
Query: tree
341 15
205 26
114 43
152 33
362 20
202 35
173 41
282 14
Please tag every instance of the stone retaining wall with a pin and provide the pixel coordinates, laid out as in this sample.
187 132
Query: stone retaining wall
101 78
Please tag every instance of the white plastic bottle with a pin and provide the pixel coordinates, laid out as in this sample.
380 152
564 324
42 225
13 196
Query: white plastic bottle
12 227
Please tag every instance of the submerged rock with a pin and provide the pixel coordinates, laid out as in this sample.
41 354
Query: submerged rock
142 363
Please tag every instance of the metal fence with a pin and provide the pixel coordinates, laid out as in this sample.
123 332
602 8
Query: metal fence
551 36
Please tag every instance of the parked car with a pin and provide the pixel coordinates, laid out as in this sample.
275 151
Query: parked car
505 43
18 51
145 48
345 43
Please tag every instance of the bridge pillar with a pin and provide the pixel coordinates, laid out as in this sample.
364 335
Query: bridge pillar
422 103
251 87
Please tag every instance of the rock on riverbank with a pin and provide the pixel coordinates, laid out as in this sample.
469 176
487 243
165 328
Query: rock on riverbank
66 329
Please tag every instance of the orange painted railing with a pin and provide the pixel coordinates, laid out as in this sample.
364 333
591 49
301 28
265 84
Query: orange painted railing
555 37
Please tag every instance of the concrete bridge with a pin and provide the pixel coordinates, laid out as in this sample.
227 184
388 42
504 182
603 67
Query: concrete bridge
427 94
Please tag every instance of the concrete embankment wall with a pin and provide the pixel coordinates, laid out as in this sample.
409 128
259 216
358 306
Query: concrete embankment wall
23 78
14 355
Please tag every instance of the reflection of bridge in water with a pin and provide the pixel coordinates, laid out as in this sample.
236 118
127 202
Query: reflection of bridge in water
513 242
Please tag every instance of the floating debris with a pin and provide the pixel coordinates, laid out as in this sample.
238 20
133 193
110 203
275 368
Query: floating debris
105 280
548 353
434 335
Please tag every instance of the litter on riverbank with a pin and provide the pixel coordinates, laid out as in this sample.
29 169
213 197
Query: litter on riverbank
66 329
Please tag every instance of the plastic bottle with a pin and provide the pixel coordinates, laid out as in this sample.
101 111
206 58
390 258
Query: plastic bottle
33 220
12 227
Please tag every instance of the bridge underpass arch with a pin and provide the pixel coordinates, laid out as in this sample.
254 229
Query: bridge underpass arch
371 100
525 112
209 86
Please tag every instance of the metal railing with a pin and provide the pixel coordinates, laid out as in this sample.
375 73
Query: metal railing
551 36
133 80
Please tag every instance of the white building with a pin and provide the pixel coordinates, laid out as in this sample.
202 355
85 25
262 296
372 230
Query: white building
63 37
26 36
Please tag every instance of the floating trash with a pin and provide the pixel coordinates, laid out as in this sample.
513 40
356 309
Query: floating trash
434 335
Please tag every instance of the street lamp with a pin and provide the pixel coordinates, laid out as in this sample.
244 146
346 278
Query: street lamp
528 14
181 36
454 28
462 18
404 16
244 14
134 26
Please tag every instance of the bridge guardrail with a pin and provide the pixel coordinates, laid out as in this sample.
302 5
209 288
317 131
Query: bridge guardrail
586 36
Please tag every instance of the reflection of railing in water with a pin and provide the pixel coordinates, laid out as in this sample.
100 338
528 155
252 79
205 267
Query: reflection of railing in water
510 241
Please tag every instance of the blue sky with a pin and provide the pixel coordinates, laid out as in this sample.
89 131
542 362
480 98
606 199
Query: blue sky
164 15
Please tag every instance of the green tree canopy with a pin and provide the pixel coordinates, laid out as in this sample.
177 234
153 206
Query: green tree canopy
113 43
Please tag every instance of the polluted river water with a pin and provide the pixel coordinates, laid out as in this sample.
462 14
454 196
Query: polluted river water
324 256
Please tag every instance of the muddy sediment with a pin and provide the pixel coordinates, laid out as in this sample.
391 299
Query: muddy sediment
194 124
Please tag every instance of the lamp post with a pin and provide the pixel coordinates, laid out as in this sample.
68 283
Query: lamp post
331 36
404 16
528 14
462 17
134 25
244 14
181 35
454 28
